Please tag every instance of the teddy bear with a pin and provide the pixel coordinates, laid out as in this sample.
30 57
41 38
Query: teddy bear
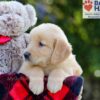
15 20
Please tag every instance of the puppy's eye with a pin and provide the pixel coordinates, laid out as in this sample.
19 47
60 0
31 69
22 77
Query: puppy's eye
41 44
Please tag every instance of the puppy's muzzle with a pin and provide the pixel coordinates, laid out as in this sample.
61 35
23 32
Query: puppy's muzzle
27 55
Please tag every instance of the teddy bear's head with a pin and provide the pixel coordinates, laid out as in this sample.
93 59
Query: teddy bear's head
16 18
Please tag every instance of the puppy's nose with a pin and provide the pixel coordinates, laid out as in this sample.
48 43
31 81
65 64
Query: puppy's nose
27 55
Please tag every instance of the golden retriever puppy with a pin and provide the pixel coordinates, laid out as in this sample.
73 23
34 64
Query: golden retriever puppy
49 53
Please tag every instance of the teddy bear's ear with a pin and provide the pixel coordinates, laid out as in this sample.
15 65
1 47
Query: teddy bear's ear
31 13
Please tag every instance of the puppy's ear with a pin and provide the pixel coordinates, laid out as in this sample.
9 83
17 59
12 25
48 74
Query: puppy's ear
61 51
31 13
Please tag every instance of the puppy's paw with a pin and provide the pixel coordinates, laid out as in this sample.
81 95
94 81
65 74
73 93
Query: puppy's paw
36 86
54 84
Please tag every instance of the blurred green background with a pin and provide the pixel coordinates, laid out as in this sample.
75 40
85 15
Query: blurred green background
83 34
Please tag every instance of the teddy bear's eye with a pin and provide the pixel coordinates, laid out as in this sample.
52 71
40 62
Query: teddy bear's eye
18 14
6 12
1 13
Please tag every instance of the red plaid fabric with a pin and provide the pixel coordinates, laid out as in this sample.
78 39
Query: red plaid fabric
15 87
60 94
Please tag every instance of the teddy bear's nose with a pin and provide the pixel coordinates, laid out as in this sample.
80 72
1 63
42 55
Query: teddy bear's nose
9 19
27 55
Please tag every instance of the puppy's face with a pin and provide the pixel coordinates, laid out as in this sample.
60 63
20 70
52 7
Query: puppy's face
47 45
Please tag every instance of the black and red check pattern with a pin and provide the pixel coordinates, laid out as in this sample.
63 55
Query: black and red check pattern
15 87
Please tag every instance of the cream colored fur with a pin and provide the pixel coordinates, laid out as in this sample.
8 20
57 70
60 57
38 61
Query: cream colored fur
54 58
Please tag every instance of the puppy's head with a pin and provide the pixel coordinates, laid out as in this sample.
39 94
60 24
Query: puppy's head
48 45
